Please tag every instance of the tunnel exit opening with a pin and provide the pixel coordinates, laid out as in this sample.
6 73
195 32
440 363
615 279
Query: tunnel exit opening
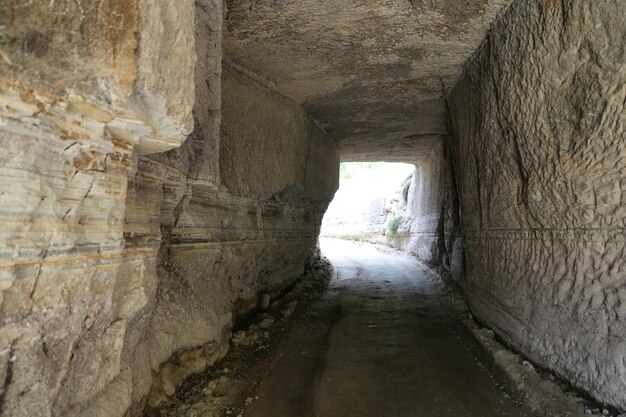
370 204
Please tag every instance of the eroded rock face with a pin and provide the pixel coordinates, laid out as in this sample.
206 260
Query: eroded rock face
88 54
150 196
432 214
122 268
73 301
368 71
540 130
224 245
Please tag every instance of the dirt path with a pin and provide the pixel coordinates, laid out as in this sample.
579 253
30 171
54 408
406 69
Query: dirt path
379 343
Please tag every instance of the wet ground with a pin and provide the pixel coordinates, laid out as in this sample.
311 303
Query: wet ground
379 343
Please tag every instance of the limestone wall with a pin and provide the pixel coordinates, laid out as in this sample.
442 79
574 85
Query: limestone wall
74 107
122 266
223 245
540 151
432 223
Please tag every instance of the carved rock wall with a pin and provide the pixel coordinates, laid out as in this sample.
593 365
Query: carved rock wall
222 245
432 215
540 152
122 269
72 113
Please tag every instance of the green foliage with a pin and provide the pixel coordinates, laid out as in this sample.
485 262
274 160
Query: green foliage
394 224
348 170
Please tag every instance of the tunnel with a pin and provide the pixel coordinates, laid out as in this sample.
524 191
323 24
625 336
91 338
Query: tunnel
165 167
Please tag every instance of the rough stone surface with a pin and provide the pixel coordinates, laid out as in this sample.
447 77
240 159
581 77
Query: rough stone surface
221 246
62 197
431 220
277 128
366 70
91 51
163 96
72 298
121 273
150 195
541 160
539 391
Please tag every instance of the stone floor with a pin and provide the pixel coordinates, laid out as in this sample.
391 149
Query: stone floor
379 343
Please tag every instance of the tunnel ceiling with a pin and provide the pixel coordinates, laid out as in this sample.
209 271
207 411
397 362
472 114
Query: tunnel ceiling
371 72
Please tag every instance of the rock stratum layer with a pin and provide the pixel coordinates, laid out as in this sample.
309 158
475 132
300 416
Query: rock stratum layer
432 215
124 267
540 141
